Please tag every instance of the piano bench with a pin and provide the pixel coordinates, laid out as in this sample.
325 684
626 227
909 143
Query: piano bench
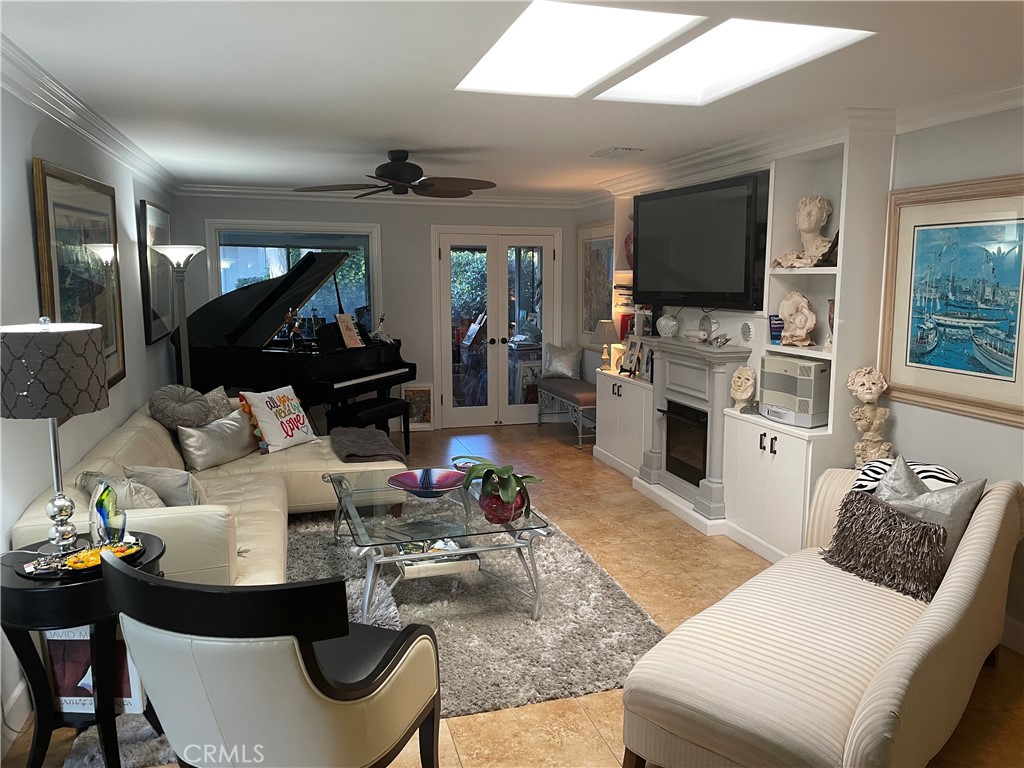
376 411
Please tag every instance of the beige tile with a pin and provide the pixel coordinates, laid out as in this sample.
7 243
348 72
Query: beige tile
605 712
552 733
448 756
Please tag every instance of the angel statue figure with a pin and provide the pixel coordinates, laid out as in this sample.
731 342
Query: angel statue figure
380 334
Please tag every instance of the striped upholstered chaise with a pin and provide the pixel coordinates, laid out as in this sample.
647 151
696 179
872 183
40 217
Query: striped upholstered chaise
808 665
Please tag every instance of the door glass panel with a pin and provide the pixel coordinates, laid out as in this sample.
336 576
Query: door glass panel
469 325
525 305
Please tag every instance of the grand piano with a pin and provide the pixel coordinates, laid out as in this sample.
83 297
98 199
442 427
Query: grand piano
238 340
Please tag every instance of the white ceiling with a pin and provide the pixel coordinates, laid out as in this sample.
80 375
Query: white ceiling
286 94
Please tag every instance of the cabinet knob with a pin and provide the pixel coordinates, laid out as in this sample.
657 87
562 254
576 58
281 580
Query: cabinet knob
760 440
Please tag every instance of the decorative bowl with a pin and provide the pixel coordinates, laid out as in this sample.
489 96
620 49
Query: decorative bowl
427 483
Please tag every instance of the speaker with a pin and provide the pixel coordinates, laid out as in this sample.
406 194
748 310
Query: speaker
795 390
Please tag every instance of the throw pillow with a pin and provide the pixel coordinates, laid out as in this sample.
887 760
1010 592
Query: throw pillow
281 421
175 487
219 405
178 406
561 362
900 482
888 547
934 475
218 442
131 494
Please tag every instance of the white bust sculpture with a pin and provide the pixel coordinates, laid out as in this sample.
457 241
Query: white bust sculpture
742 388
811 214
867 384
797 320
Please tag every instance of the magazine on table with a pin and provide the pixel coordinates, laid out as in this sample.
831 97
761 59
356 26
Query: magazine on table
69 658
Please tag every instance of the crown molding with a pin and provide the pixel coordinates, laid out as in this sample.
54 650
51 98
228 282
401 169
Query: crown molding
1000 97
21 76
284 193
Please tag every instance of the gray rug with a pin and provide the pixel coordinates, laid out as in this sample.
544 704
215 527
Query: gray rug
137 741
492 654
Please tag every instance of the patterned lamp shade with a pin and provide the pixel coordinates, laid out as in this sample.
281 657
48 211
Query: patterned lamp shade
52 370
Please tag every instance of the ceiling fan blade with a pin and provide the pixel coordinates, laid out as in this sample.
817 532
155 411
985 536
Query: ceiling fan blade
453 182
394 182
375 191
424 191
335 188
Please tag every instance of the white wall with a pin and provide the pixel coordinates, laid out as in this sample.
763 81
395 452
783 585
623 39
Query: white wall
24 445
969 149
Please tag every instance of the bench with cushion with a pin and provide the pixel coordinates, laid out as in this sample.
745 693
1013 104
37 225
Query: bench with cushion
579 398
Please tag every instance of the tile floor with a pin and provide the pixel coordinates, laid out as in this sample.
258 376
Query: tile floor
673 572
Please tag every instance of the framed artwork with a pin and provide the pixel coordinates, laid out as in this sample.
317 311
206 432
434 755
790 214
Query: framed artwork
527 377
72 212
155 274
596 257
952 301
421 399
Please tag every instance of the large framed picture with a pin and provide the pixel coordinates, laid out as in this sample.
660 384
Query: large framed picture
596 257
952 298
73 212
421 399
155 274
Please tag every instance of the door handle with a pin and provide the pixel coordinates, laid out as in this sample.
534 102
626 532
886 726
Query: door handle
503 340
772 450
760 440
492 342
618 390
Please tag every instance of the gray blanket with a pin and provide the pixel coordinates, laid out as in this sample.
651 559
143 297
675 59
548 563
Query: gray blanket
353 444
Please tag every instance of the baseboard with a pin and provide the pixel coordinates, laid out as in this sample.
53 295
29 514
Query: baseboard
614 462
753 543
1013 634
17 711
680 508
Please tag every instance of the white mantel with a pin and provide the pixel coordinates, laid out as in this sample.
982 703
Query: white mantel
697 375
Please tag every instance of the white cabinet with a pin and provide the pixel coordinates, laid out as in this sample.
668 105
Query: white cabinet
766 484
623 421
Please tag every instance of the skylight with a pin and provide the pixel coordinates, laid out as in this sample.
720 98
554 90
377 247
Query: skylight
565 49
734 55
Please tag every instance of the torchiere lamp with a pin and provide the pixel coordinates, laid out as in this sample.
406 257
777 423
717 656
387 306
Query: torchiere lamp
53 371
606 335
180 256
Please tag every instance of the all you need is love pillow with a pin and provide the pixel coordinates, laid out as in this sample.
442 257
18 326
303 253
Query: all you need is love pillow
278 419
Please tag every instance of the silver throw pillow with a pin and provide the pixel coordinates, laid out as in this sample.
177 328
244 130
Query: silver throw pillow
218 442
561 362
219 405
175 487
131 494
178 406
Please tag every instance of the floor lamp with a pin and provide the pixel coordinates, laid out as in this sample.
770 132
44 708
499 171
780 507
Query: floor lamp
53 371
180 256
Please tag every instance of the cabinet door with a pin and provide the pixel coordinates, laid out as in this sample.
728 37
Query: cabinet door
631 423
786 468
607 413
745 475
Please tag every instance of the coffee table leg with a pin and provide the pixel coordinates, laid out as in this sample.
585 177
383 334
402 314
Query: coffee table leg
532 575
371 584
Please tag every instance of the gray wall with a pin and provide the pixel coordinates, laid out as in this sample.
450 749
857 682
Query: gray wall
969 149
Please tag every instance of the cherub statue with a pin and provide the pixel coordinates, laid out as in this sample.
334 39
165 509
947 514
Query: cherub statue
797 320
811 214
867 384
742 389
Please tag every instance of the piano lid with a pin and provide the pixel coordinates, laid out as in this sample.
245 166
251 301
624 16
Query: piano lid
252 315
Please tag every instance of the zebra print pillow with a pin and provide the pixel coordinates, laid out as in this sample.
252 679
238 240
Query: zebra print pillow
935 476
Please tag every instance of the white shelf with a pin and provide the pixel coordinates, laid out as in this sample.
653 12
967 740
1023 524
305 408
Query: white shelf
803 271
817 352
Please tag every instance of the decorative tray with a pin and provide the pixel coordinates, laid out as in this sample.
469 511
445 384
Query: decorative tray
427 483
84 562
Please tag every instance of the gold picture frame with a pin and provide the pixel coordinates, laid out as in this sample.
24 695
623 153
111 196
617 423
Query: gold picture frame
421 399
73 212
952 298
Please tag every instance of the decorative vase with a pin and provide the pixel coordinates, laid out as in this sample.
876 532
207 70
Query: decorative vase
109 521
498 511
667 326
628 247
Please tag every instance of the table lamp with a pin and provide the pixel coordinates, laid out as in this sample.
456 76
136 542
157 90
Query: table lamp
606 335
53 371
180 256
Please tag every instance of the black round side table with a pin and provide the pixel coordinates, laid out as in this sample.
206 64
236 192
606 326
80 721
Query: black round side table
33 605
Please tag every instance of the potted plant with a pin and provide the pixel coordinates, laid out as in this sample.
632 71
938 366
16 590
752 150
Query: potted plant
503 493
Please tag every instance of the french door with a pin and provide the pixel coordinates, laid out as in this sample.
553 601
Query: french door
493 325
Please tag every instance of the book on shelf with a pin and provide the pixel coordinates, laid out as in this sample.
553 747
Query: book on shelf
69 661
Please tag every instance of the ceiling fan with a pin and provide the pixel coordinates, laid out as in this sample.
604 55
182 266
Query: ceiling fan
402 177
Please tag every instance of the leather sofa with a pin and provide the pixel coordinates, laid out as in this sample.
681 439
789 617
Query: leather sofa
808 665
240 535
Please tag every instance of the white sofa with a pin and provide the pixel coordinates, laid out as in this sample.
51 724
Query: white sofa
808 665
238 537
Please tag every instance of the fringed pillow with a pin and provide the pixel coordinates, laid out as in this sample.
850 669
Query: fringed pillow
885 546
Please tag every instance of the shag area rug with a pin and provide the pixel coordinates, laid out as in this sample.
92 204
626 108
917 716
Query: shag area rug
492 654
137 741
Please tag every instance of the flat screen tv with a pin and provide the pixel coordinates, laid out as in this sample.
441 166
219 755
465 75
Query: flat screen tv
702 246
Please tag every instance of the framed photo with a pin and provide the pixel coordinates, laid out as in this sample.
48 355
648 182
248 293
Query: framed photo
631 355
155 274
72 212
596 256
952 300
421 398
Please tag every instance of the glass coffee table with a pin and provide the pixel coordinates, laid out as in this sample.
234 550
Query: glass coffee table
428 533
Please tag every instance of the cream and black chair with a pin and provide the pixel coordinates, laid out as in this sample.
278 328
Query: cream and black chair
275 675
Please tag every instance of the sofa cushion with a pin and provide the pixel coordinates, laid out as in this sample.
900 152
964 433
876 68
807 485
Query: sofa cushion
218 442
747 680
178 406
131 494
175 487
260 507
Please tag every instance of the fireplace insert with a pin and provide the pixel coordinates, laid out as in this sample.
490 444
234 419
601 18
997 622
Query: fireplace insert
686 442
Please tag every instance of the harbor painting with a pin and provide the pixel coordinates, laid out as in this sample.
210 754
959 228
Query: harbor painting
966 298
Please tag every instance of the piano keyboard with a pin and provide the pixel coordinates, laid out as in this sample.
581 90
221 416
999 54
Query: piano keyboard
371 377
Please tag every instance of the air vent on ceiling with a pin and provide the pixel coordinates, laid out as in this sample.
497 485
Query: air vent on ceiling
616 153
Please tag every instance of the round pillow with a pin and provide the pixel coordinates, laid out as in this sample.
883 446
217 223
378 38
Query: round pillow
178 406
